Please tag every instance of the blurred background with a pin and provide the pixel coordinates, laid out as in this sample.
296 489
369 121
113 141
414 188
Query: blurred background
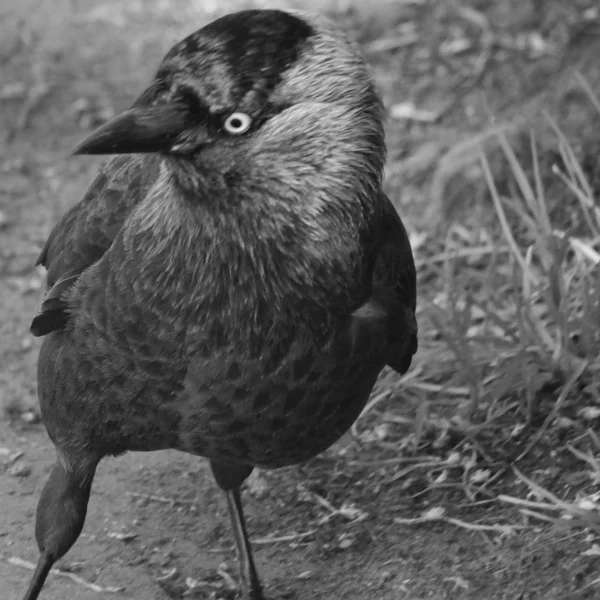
476 475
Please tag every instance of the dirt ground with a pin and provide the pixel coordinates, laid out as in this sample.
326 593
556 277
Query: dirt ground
157 526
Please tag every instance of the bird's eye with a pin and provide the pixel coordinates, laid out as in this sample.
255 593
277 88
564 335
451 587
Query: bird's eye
237 123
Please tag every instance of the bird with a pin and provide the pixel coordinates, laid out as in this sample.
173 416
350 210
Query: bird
234 280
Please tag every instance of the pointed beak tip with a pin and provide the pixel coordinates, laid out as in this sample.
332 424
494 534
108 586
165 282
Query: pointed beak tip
137 130
77 151
84 147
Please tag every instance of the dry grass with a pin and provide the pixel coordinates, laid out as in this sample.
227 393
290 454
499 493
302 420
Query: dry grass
518 306
510 340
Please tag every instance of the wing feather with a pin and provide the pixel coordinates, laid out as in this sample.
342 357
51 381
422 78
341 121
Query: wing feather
88 230
395 288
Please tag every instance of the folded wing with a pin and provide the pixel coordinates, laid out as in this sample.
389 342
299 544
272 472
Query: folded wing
395 288
87 231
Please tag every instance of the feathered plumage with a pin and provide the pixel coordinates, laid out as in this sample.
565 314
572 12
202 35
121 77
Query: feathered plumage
232 295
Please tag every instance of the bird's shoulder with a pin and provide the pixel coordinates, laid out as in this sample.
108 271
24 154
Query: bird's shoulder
89 228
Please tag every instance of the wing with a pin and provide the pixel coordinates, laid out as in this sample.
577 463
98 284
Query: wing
395 288
88 229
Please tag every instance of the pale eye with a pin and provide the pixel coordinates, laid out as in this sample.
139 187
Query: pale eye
237 123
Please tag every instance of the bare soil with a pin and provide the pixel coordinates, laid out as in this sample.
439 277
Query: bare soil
157 526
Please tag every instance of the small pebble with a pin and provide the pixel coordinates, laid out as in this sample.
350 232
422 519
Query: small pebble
30 417
257 485
15 456
19 470
304 575
123 536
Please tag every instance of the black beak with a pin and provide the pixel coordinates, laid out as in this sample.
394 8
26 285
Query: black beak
139 129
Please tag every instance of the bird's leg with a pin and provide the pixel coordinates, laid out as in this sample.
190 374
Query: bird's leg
248 572
39 577
230 477
60 517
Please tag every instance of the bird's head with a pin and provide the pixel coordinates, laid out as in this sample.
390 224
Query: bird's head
254 89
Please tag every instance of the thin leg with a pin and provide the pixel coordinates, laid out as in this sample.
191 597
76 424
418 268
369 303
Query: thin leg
60 517
242 544
39 577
